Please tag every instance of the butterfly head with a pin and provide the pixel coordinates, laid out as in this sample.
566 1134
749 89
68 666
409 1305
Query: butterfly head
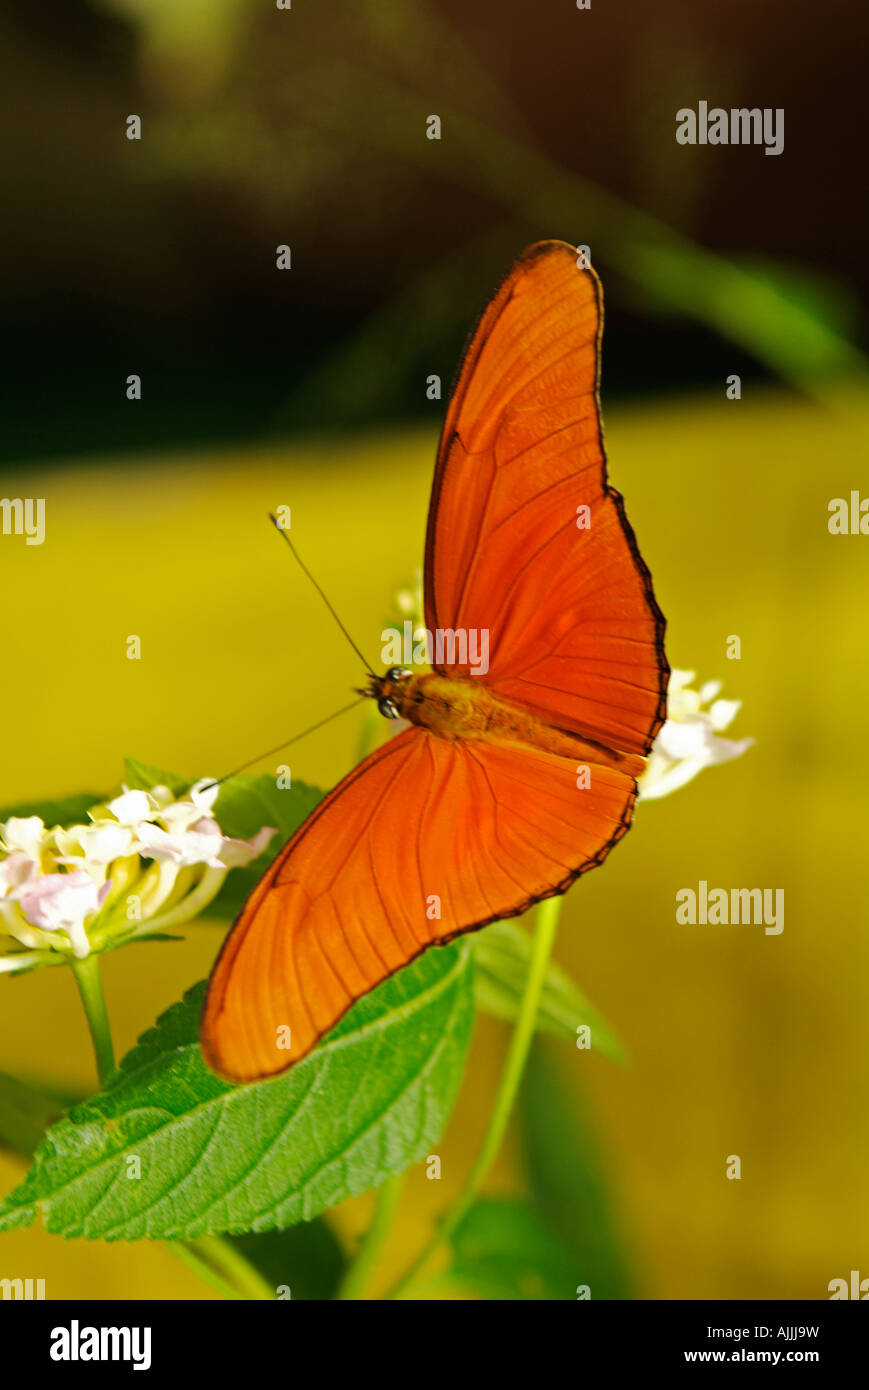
390 690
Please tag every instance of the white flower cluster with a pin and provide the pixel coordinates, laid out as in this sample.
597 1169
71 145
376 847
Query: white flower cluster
65 891
690 738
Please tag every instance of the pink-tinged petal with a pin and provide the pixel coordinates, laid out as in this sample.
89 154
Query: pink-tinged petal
197 846
57 902
207 826
262 839
16 870
234 854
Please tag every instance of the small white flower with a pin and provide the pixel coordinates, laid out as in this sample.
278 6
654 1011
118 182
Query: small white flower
25 833
179 816
202 843
99 843
689 739
131 807
62 902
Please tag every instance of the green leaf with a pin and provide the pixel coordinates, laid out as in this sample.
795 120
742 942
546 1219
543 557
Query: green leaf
567 1178
503 1250
369 1101
502 955
69 810
25 1115
244 805
307 1259
143 776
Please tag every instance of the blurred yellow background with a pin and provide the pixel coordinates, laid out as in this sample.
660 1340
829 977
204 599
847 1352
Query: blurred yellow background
740 1043
156 257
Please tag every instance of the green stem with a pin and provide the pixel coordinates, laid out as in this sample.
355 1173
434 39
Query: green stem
359 1270
520 1043
212 1257
218 1262
185 1251
90 987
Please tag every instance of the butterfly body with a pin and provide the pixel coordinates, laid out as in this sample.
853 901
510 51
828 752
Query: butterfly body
463 707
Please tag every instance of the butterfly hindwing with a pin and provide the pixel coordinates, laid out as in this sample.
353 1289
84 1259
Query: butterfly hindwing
426 839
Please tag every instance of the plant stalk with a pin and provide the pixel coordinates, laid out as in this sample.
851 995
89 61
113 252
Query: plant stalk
90 987
547 917
359 1271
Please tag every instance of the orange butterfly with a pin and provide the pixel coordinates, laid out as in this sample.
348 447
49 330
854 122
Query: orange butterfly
480 808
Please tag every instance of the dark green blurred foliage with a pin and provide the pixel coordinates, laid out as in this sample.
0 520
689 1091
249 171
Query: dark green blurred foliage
307 127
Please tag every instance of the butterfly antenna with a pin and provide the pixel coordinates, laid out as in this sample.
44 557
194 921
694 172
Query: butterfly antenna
329 717
281 532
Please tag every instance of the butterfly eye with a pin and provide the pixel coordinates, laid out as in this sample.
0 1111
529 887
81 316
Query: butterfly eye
398 673
388 709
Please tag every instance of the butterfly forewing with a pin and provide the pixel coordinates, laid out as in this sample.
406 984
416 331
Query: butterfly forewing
526 539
